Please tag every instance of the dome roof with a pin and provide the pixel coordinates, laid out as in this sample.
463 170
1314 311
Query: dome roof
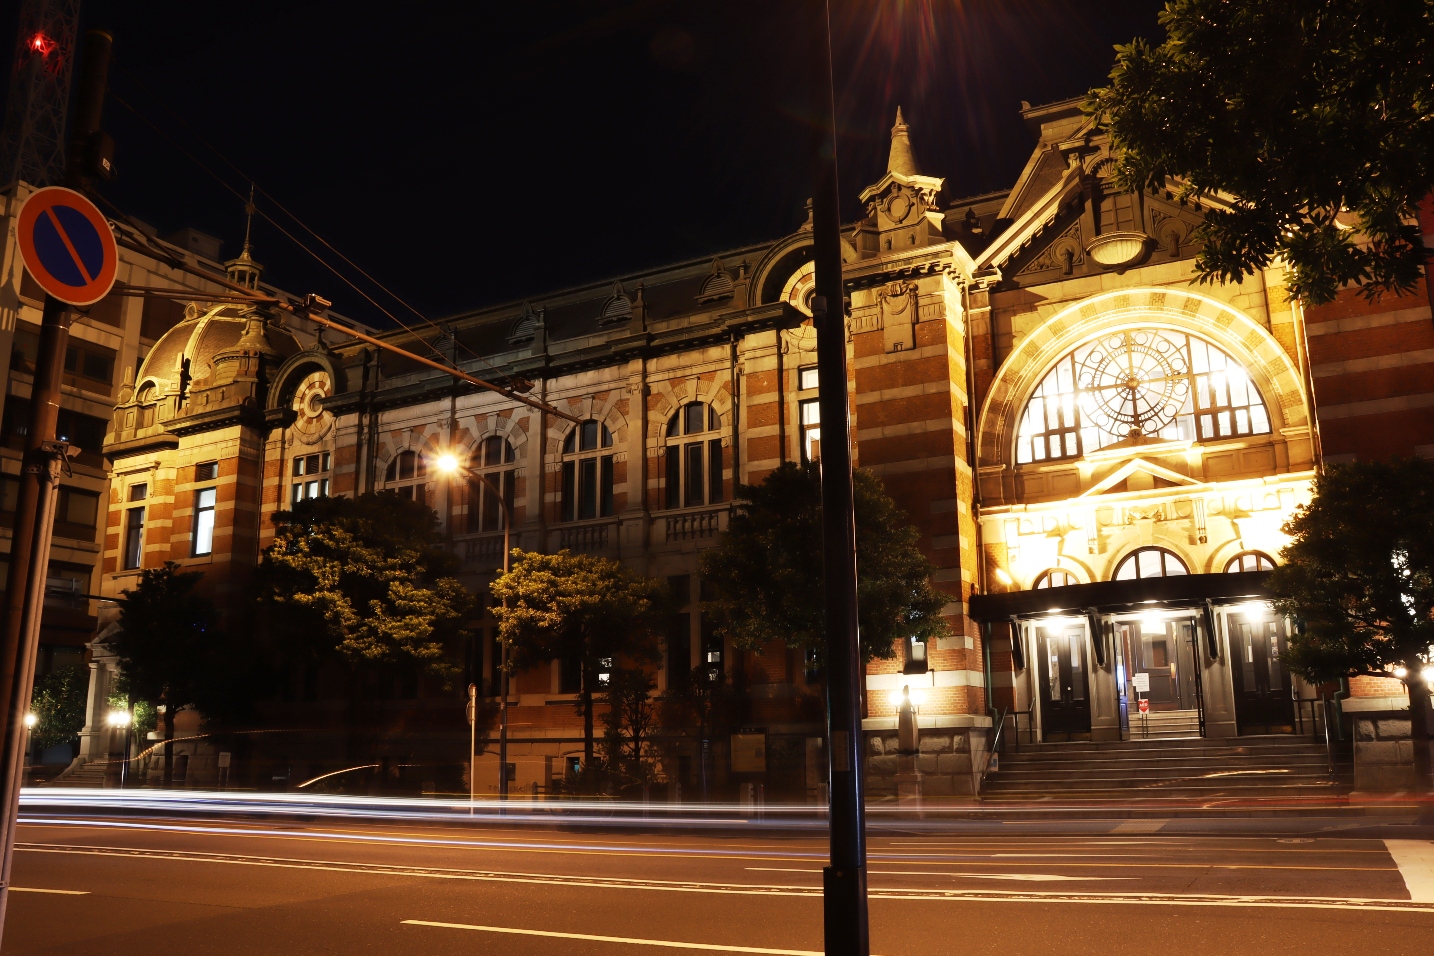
202 336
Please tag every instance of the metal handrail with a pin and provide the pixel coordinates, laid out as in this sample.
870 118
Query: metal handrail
1328 743
1016 729
995 744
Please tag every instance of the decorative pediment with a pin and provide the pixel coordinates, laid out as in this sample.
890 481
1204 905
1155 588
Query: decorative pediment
525 328
1117 480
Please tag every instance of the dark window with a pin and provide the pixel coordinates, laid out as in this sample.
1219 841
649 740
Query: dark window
85 432
90 367
108 310
694 468
76 513
25 348
587 490
16 423
159 316
408 475
133 537
206 471
679 650
570 675
314 468
138 492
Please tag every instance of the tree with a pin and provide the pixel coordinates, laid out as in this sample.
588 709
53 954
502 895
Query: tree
369 576
628 723
1308 117
58 704
173 654
767 568
580 609
699 702
1359 578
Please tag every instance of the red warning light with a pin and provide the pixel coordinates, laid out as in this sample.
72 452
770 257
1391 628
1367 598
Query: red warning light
42 44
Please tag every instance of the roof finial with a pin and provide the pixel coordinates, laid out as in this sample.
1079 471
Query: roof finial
249 206
900 161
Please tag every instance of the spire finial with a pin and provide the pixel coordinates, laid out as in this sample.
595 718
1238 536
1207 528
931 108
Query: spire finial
249 206
900 160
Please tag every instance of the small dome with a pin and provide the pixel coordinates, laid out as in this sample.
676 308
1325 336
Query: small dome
202 336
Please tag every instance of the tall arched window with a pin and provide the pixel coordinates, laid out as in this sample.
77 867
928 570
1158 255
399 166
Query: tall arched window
1144 383
484 507
1250 561
587 472
408 475
694 456
1054 578
1150 563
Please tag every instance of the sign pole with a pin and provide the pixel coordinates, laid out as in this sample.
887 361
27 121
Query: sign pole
35 508
844 897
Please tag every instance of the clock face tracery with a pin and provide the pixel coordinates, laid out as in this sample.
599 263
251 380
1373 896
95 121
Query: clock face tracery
1138 385
1134 383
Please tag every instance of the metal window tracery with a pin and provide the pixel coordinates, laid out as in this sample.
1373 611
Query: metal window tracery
1141 383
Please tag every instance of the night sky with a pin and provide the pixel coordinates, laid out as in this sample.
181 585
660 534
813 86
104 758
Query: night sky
472 152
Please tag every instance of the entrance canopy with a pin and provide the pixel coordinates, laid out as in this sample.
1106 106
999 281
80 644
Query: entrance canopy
1185 590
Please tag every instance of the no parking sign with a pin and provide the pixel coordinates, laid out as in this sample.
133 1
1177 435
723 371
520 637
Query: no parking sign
67 245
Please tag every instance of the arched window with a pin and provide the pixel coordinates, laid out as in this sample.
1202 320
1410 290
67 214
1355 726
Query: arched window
1250 561
694 456
587 472
1150 563
1054 578
408 475
1138 384
146 397
484 508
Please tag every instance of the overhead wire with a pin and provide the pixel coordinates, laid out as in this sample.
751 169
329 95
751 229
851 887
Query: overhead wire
357 268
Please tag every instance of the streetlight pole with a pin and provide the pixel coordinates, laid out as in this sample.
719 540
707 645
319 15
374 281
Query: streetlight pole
449 463
844 896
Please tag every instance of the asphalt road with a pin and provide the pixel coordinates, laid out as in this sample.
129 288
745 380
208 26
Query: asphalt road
142 886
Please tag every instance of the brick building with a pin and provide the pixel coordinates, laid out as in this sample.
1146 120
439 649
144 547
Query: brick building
1097 451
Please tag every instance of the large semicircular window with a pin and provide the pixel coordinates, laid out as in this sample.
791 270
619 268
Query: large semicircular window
1140 384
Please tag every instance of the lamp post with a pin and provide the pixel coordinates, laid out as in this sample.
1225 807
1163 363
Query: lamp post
449 464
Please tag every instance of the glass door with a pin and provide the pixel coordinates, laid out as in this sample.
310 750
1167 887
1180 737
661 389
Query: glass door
1065 689
1263 700
1163 651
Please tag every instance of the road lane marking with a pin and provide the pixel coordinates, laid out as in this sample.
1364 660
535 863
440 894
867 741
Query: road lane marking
320 836
749 889
1027 877
38 889
626 940
1415 859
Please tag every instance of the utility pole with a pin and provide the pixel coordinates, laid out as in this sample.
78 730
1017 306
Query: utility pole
844 881
40 475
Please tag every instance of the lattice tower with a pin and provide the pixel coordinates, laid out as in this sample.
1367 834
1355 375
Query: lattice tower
32 142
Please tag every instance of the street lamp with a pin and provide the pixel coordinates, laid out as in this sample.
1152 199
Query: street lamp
119 721
448 464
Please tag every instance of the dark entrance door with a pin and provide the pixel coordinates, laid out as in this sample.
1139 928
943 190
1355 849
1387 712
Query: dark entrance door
1065 691
1263 703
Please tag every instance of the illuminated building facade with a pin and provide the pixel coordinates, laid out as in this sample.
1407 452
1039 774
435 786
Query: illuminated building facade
1098 453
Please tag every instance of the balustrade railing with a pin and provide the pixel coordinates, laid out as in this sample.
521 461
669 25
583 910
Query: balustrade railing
692 526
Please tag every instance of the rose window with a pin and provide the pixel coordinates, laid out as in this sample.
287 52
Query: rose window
1138 385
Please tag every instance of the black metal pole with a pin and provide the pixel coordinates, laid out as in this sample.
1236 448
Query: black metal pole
844 881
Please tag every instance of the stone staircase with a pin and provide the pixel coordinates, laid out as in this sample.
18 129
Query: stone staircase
1188 770
1165 724
81 773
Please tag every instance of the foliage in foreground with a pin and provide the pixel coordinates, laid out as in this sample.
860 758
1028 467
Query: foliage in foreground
58 704
371 577
1358 577
767 569
1314 115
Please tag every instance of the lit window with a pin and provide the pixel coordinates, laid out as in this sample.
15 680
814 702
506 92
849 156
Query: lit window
1250 561
811 429
1138 384
485 511
587 472
807 378
314 469
694 456
204 500
1055 578
1149 563
134 528
407 474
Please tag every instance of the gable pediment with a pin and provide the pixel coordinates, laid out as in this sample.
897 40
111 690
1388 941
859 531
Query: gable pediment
1119 480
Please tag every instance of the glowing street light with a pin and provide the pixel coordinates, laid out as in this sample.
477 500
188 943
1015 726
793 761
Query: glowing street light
31 720
119 718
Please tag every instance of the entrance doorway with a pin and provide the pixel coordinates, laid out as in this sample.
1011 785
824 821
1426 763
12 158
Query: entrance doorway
1263 700
1065 684
1161 671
